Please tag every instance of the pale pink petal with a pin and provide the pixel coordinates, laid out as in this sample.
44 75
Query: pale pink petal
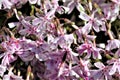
26 56
113 69
80 7
84 16
86 29
99 65
71 6
32 1
90 37
117 53
2 70
96 26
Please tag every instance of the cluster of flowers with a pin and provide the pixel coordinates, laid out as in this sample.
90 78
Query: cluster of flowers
54 47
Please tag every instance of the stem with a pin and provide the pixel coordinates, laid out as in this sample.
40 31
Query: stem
68 21
109 31
110 34
94 41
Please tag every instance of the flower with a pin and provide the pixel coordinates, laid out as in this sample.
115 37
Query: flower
8 4
7 59
65 41
113 44
92 22
29 29
82 69
75 3
102 73
115 63
89 49
111 11
21 47
81 33
8 54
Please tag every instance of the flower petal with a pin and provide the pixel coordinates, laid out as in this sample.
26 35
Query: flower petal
113 69
86 29
99 65
84 16
71 6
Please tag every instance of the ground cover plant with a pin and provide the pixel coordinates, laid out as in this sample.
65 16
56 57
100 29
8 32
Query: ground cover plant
59 40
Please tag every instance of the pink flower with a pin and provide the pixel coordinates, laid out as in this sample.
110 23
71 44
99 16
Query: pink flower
115 63
8 4
29 29
102 73
82 69
92 22
75 3
89 49
8 54
113 44
65 41
81 33
7 59
111 11
21 47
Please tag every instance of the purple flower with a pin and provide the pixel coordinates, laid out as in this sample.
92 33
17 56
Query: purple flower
115 66
27 56
89 49
75 3
6 4
8 54
53 62
65 40
29 29
111 11
68 71
26 52
102 73
92 22
44 24
43 51
82 69
22 47
7 59
81 33
10 3
113 44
